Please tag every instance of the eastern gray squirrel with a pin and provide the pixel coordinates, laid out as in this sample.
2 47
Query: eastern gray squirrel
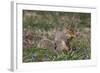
60 42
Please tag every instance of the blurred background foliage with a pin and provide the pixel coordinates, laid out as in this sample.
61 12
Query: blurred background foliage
46 20
44 23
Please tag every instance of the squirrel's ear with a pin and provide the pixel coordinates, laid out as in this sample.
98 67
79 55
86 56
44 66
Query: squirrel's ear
78 33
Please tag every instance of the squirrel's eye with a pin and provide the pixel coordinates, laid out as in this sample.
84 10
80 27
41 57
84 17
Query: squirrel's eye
55 46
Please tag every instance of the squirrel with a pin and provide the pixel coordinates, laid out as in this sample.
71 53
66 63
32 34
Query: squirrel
61 41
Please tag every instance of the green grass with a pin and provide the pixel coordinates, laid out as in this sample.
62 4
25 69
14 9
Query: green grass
41 55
